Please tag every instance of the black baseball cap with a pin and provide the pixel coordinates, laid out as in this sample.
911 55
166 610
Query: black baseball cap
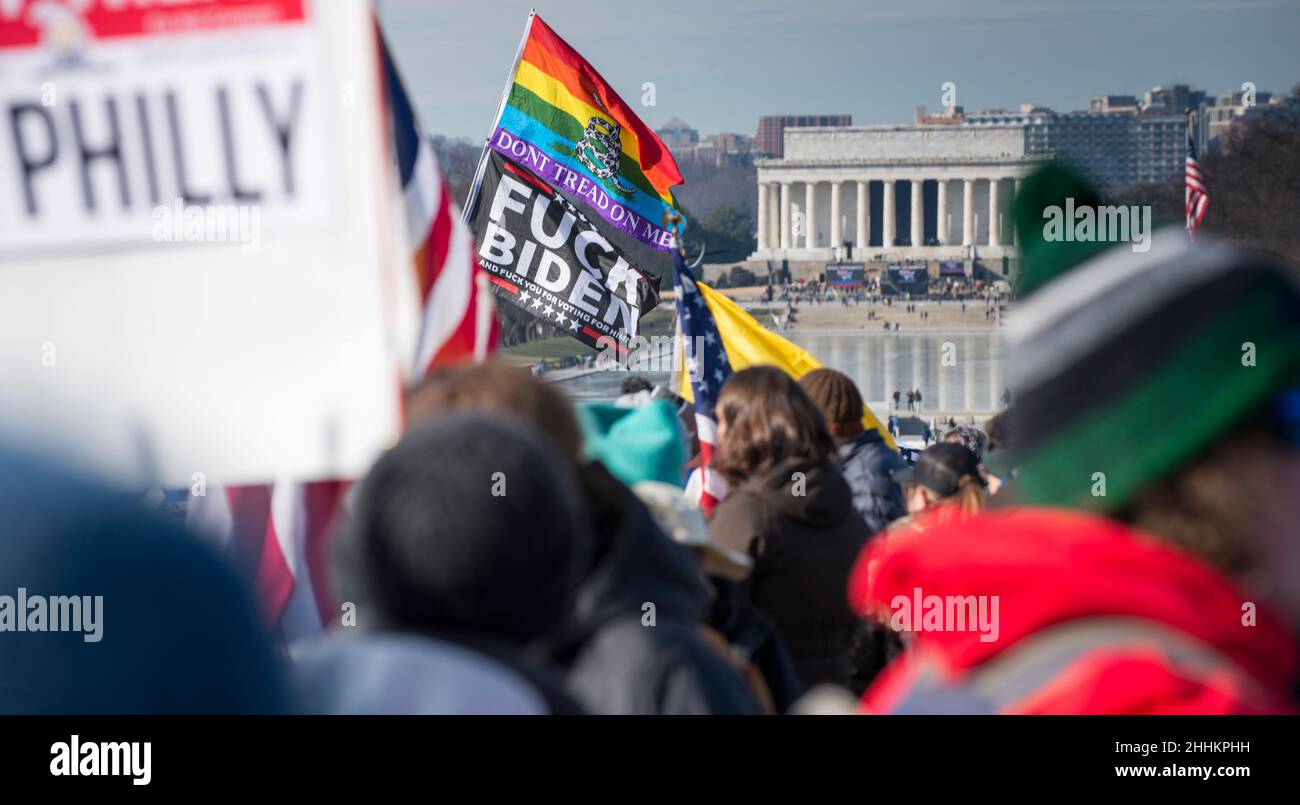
940 467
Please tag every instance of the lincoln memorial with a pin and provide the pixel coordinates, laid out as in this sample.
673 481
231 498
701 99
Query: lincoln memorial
914 193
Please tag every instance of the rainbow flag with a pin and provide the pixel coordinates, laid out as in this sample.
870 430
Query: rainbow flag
563 122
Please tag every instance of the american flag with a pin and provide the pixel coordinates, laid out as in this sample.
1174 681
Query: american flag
1197 198
278 531
708 365
458 321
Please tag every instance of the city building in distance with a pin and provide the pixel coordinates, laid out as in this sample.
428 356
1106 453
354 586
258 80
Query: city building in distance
940 190
716 150
771 129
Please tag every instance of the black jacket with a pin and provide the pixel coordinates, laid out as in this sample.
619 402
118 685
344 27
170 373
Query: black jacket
618 658
798 522
754 637
868 466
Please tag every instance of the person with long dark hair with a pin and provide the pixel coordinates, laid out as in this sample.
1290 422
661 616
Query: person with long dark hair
792 511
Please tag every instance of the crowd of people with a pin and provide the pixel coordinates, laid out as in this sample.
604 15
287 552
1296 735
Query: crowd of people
880 304
1124 538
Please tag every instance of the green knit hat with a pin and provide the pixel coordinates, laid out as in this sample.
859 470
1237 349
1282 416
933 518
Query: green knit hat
1125 365
635 444
1043 259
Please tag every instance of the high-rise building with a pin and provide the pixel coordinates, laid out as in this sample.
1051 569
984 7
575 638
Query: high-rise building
1100 145
771 129
1216 116
689 146
729 143
1118 141
1035 119
1113 104
1172 100
1161 147
676 133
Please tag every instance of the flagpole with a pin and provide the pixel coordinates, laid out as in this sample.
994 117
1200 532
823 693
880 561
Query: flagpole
675 223
485 306
471 201
679 341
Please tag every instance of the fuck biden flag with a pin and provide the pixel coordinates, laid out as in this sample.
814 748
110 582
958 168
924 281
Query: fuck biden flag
561 121
546 256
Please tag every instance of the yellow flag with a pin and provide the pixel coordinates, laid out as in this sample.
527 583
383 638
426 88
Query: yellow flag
749 343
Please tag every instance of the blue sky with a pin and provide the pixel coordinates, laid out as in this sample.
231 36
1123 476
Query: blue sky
719 64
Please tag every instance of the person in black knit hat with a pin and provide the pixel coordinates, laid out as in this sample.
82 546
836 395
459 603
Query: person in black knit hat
468 532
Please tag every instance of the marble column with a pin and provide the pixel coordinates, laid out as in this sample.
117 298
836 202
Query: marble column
968 212
774 211
837 225
941 225
887 223
995 218
763 217
918 214
810 214
864 220
1015 193
785 215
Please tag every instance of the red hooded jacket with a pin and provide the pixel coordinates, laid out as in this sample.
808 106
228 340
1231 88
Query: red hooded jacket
1090 617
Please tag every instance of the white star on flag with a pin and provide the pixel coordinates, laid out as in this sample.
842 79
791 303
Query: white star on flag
524 297
560 317
537 302
699 331
549 310
574 325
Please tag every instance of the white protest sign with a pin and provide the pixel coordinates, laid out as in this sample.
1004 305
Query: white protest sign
193 272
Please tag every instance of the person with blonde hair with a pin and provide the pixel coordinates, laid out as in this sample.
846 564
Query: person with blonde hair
945 485
946 475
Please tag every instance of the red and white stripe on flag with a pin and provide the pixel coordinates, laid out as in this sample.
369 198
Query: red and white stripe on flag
711 488
1196 197
277 534
458 321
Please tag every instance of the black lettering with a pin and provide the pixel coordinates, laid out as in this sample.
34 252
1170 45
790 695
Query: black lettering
30 163
146 134
178 156
112 151
283 131
228 147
